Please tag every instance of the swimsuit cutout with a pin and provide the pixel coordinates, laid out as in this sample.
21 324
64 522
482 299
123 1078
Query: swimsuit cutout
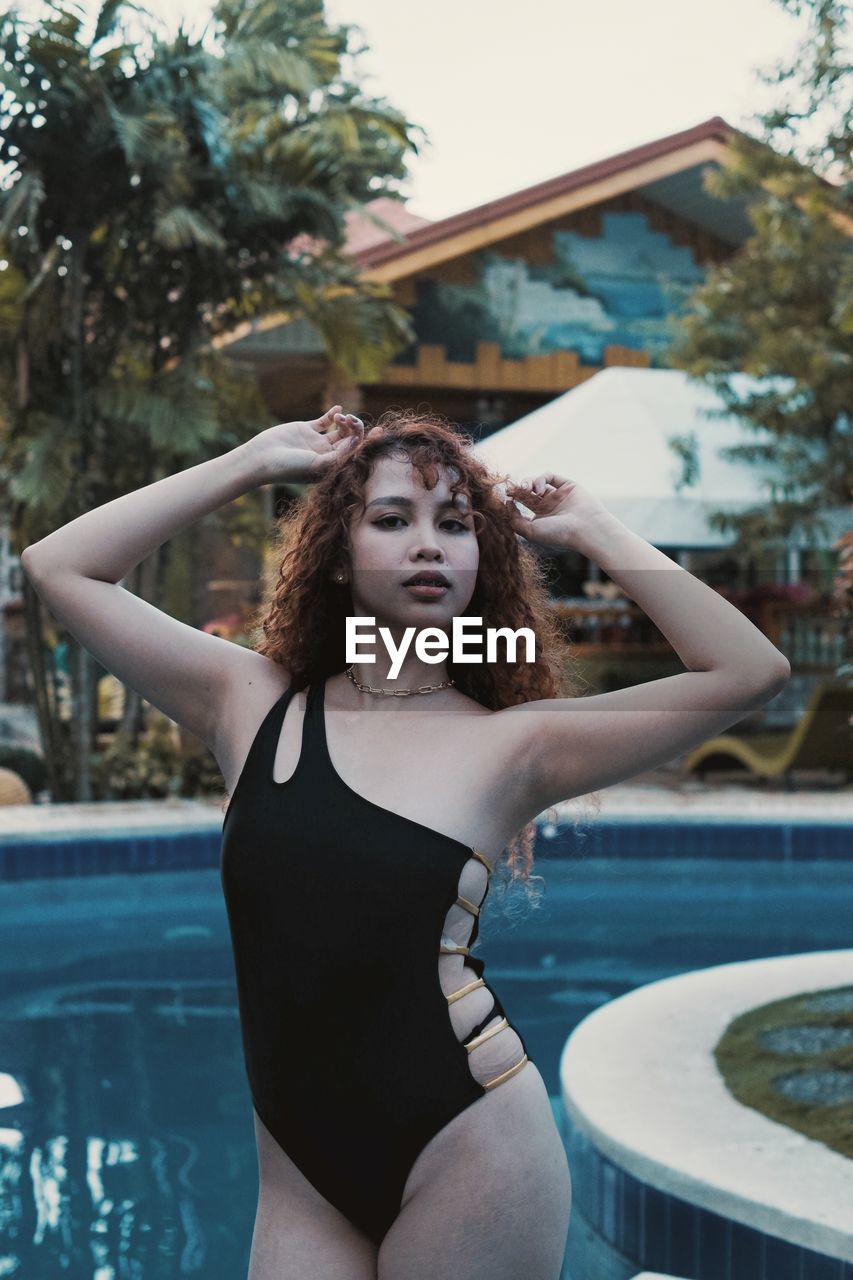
337 913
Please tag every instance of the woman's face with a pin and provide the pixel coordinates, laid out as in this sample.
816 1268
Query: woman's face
404 530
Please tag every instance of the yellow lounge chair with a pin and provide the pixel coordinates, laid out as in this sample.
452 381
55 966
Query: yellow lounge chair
821 741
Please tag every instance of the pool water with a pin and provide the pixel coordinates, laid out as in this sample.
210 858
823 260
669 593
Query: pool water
129 1150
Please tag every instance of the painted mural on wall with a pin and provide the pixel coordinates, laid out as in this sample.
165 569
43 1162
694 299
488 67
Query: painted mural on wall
626 287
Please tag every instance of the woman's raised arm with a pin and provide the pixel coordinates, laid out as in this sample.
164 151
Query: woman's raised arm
572 746
77 570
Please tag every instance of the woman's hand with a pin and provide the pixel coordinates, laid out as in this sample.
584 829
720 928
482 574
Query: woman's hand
562 509
299 452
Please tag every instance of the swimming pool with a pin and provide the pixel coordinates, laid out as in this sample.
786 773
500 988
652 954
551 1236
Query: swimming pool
131 1149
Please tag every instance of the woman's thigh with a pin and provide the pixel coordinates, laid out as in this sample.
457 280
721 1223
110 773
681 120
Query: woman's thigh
307 1242
489 1197
298 1233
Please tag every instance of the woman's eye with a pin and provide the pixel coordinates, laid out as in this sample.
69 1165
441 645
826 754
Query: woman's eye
382 522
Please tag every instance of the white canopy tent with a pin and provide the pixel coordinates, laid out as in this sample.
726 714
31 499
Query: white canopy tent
611 434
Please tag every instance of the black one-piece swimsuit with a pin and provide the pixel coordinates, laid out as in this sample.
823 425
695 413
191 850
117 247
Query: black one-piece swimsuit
336 909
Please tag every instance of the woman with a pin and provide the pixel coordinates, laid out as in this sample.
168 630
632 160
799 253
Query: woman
403 1133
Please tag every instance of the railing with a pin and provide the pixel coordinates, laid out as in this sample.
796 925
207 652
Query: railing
618 627
810 638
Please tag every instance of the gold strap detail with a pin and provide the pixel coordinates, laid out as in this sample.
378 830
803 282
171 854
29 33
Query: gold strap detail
506 1074
481 857
487 1035
469 906
455 950
463 991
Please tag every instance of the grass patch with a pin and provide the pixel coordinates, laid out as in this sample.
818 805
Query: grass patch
748 1067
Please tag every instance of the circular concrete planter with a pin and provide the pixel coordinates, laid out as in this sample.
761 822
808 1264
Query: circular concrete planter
667 1166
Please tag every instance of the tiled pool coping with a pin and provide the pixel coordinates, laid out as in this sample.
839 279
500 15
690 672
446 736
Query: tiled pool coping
655 1137
39 841
633 836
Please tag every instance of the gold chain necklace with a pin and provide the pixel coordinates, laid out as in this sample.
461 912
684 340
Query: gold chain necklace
397 693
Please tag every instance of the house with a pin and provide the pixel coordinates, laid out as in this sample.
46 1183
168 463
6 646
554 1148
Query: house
518 300
514 303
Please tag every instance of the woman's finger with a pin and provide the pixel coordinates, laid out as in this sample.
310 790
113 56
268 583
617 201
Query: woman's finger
324 423
351 430
338 427
522 492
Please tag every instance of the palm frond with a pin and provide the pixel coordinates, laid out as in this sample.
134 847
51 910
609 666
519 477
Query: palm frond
392 124
299 158
362 331
264 67
20 204
42 479
137 135
181 228
312 213
173 424
213 126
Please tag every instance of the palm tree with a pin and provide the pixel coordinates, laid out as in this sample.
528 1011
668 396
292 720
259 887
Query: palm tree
151 193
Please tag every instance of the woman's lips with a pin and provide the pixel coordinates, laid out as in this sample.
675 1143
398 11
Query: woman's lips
423 592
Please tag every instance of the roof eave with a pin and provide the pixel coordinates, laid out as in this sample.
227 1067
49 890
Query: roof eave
497 219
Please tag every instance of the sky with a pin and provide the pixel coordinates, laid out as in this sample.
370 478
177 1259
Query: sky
512 93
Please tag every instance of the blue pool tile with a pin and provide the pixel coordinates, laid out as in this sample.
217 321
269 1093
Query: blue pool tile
655 1256
119 851
747 1253
641 838
782 1261
596 1187
819 840
817 1266
608 1202
629 1238
683 1237
116 852
715 1239
595 1184
641 1211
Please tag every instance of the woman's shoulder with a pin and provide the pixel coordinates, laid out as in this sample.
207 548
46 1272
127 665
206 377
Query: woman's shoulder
471 707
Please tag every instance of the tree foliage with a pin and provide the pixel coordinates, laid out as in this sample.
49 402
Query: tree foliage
782 308
149 205
155 193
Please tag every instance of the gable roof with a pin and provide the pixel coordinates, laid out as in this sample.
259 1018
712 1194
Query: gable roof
667 170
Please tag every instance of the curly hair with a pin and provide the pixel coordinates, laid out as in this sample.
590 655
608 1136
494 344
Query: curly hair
302 612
